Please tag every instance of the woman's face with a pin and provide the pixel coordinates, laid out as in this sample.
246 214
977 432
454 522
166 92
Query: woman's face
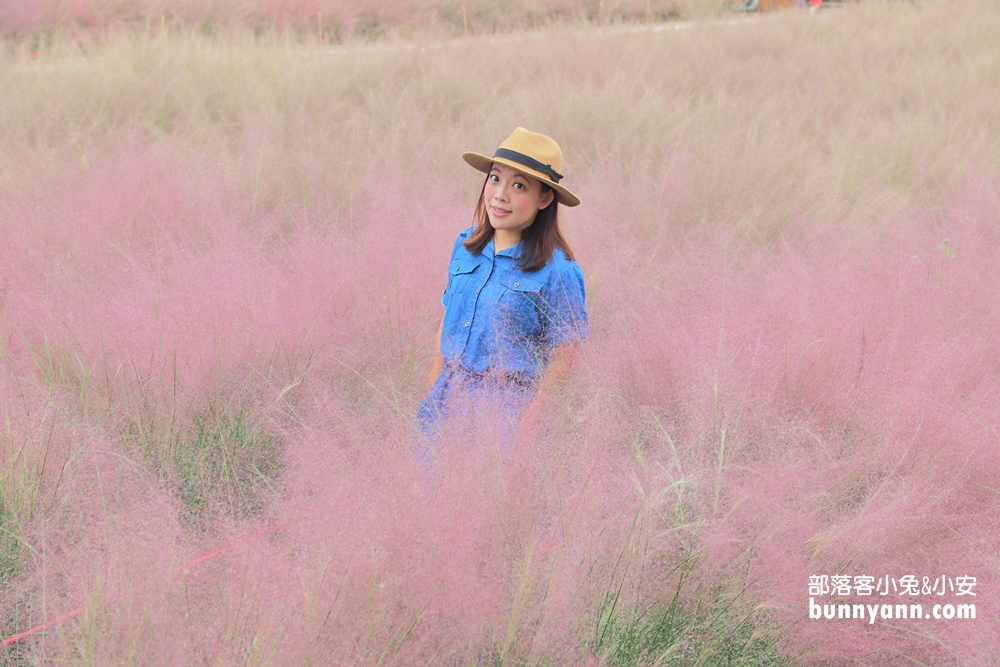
513 199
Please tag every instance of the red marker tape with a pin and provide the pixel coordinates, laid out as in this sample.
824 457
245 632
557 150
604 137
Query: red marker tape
47 624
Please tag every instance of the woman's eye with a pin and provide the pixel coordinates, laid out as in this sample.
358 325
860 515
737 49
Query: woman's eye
519 186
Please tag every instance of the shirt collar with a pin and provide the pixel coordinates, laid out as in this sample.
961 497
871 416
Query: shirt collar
513 252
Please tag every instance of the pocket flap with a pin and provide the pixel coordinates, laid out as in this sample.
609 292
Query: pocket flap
460 266
521 284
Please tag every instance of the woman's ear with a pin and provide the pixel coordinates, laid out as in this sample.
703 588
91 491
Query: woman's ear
546 198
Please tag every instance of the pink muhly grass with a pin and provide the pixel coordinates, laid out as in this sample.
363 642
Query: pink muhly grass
809 369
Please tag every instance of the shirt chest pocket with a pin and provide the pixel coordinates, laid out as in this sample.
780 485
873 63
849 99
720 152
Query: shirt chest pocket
460 272
519 299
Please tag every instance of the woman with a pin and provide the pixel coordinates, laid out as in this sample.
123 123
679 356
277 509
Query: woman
514 304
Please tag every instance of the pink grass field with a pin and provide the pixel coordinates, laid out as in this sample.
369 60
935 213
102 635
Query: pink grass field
222 262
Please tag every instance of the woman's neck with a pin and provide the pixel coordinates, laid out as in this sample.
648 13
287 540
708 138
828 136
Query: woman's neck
505 238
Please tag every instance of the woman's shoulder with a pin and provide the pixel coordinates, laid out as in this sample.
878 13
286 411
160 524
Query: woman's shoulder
462 237
560 268
562 263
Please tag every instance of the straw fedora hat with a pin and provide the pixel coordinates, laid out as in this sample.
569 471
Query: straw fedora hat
530 153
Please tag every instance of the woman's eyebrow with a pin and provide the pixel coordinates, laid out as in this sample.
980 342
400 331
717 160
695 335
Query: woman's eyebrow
517 174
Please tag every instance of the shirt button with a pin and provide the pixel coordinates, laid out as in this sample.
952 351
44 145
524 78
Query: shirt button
517 284
466 324
477 290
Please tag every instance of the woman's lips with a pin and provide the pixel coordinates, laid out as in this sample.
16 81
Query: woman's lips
499 211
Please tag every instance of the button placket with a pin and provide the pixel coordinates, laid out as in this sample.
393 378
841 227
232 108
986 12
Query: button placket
474 303
470 314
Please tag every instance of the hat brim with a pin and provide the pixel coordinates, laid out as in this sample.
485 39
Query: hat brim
484 164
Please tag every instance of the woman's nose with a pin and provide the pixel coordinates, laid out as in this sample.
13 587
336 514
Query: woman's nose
500 194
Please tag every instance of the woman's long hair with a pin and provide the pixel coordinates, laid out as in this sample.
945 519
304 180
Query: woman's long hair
537 241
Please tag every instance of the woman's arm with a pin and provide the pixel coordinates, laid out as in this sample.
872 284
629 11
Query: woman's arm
437 363
562 361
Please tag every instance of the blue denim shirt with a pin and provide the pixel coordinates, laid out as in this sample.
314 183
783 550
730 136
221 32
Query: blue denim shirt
501 319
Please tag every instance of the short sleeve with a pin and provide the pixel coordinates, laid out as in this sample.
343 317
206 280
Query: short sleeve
462 236
563 306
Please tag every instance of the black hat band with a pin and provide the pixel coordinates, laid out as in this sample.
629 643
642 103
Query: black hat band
528 162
